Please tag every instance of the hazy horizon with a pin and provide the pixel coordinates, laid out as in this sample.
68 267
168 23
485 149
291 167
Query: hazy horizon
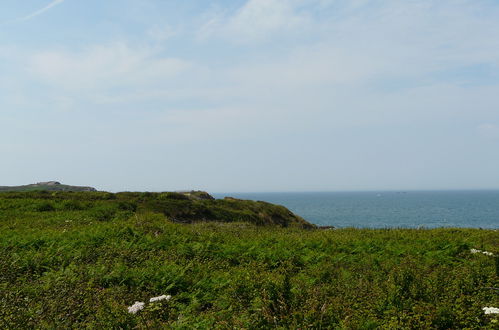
285 192
250 95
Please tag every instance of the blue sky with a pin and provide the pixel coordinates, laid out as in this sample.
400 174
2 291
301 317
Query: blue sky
256 95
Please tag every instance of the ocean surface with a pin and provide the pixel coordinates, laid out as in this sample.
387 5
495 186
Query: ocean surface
414 209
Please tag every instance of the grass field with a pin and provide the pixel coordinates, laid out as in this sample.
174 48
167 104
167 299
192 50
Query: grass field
80 260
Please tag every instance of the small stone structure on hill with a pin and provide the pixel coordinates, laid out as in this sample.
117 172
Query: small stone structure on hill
48 183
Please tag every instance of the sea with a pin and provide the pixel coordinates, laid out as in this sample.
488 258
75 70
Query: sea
396 209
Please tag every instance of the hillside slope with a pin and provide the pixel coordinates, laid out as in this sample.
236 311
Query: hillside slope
48 186
65 269
181 207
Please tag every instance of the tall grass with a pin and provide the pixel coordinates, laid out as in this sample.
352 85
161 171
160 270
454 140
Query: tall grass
75 266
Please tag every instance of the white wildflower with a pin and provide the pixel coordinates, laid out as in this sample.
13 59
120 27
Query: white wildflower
491 310
163 297
487 253
136 307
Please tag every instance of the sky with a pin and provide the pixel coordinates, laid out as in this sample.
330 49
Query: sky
250 96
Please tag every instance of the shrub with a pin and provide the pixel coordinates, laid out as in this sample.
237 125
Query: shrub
103 212
127 206
43 207
173 195
72 205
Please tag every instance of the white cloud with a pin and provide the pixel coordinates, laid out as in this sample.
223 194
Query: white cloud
312 66
351 54
103 67
443 33
161 33
257 20
343 79
489 131
43 10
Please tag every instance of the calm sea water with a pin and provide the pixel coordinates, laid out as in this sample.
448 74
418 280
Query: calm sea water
474 209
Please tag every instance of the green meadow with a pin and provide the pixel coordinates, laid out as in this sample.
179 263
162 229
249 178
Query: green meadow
79 260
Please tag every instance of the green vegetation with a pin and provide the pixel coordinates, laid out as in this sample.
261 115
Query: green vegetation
184 207
45 186
80 259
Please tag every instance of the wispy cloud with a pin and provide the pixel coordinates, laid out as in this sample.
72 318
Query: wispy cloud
408 87
256 21
489 131
105 67
43 10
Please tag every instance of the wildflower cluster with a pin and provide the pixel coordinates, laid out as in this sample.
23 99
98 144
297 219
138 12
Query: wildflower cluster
163 297
487 253
491 310
137 306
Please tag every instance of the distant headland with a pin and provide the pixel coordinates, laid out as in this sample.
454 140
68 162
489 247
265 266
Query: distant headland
47 186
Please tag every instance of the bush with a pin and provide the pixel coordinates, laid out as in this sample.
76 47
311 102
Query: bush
127 206
72 205
43 207
173 195
103 212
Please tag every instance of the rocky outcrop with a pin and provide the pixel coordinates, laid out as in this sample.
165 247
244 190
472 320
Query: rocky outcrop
48 183
197 195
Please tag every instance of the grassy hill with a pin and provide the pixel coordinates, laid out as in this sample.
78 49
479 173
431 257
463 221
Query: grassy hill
79 260
45 186
183 207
